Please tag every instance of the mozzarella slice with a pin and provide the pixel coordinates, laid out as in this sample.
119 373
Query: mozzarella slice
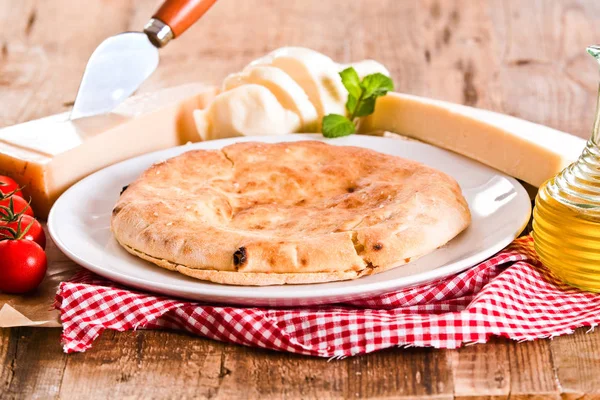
286 90
316 73
244 111
366 67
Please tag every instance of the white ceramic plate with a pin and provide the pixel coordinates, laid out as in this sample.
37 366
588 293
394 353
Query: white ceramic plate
79 224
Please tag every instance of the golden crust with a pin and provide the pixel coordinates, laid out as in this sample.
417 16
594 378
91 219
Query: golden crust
300 212
250 278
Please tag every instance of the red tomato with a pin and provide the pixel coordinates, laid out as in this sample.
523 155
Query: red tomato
19 204
35 232
7 185
22 266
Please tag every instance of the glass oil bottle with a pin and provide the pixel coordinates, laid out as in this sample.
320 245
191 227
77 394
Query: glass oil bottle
566 217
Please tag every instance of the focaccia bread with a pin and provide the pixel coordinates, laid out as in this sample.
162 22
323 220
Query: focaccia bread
300 212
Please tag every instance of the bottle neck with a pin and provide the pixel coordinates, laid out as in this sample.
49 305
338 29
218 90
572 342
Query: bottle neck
596 128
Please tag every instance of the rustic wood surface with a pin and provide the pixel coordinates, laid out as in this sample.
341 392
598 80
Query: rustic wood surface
524 58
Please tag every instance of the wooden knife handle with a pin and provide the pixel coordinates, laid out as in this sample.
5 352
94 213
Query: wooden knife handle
181 14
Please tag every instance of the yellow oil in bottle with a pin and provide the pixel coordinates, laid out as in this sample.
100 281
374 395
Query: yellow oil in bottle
566 227
566 217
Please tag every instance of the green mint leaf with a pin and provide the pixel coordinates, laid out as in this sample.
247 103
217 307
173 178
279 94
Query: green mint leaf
376 85
351 103
335 125
366 107
362 96
351 82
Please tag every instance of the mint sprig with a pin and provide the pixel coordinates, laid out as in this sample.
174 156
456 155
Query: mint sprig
335 125
361 101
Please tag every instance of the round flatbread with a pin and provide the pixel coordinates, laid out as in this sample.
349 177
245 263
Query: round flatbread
300 212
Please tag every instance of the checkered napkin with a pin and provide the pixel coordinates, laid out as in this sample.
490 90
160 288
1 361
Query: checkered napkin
510 295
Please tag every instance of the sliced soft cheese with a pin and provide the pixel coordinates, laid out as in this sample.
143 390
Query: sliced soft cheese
286 90
245 111
525 150
50 154
316 73
366 67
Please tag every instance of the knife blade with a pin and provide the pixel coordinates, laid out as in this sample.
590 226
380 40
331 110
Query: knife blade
121 63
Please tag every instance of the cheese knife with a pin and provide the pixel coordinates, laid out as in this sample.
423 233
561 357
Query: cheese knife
121 63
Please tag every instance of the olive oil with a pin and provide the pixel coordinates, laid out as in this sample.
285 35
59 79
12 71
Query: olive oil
566 217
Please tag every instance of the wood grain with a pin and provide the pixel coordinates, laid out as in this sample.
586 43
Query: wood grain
576 360
35 362
8 345
145 365
532 373
482 369
407 373
524 58
268 374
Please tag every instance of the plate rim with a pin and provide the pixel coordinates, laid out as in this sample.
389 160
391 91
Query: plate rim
225 292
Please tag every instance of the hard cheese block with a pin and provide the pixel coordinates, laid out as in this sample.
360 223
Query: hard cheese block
527 151
50 154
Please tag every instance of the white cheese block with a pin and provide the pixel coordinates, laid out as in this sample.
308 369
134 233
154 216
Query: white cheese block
50 154
286 90
525 150
316 73
366 67
245 111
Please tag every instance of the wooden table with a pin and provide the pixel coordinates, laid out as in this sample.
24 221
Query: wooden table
524 58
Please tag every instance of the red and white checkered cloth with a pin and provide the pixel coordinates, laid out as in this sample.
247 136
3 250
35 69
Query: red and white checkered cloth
510 295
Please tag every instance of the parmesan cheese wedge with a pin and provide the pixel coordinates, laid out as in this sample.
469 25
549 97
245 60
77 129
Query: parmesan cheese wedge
525 150
286 90
316 73
50 154
245 111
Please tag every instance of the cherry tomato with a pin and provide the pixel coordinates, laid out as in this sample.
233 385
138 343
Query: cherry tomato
19 204
22 266
35 232
7 185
